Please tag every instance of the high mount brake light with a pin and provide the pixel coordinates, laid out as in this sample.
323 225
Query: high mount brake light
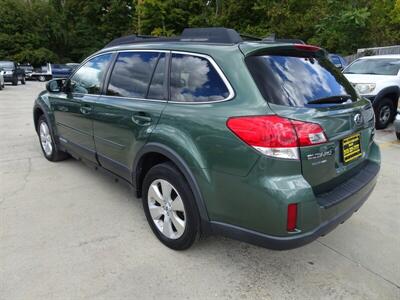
276 136
303 47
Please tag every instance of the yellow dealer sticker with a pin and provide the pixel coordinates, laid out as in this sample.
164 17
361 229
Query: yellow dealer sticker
351 147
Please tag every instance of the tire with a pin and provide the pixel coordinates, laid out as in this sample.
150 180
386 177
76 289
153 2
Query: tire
42 78
384 113
1 86
15 81
398 135
23 81
46 140
183 213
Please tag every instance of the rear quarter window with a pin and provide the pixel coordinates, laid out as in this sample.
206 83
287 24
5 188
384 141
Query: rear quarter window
194 79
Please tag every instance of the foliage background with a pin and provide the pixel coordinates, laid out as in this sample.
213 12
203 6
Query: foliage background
38 31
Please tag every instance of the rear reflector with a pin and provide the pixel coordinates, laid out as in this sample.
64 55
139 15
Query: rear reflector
276 136
292 217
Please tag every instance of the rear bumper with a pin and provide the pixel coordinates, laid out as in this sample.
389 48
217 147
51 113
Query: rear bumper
297 240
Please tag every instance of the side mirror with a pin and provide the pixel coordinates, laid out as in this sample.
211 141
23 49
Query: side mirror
55 85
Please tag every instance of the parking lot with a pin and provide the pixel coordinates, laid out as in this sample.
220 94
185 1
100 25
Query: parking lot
70 232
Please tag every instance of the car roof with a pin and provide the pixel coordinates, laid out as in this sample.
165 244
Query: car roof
246 47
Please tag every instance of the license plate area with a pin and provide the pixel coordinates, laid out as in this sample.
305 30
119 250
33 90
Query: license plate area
351 148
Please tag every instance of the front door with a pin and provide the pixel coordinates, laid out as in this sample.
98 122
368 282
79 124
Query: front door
130 108
73 110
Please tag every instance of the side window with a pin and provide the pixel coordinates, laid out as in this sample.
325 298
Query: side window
194 79
131 74
156 89
87 80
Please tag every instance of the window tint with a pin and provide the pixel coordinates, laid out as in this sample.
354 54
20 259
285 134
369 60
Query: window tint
297 81
87 80
131 74
194 79
376 66
156 89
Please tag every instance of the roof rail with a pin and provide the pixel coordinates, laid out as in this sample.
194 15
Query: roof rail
207 35
249 38
134 38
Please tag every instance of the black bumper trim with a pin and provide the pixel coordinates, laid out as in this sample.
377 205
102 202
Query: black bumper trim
341 192
288 242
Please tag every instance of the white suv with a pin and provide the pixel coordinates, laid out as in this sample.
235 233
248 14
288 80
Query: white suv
378 79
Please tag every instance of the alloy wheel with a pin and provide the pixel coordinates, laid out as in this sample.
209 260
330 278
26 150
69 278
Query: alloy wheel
166 209
45 139
384 114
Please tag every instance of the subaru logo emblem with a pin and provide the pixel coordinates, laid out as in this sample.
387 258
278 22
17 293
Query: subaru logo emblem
358 120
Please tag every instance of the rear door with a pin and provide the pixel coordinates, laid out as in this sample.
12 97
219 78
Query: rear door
130 107
304 85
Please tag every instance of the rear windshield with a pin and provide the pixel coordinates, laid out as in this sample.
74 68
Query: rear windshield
300 81
374 66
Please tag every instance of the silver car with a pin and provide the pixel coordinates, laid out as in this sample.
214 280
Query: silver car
397 124
1 79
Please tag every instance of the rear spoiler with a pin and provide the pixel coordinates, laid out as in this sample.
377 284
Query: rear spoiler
285 49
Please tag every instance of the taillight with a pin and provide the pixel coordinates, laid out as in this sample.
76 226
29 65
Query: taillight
276 136
309 133
291 217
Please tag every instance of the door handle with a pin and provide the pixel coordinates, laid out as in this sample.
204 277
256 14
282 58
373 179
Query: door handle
141 120
86 109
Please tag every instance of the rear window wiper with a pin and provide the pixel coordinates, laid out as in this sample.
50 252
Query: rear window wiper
331 99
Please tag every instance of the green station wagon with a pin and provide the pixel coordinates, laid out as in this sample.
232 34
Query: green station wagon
258 140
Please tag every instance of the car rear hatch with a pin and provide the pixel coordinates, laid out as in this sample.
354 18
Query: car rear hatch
301 84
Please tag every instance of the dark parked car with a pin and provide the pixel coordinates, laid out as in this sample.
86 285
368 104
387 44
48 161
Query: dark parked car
338 61
12 72
219 135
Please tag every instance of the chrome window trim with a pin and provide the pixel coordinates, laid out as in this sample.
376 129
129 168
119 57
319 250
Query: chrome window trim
132 98
205 56
220 73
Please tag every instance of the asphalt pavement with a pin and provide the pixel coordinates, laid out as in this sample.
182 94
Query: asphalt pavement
70 232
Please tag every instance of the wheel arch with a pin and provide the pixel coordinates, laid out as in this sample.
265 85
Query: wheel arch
42 107
37 112
391 92
161 153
